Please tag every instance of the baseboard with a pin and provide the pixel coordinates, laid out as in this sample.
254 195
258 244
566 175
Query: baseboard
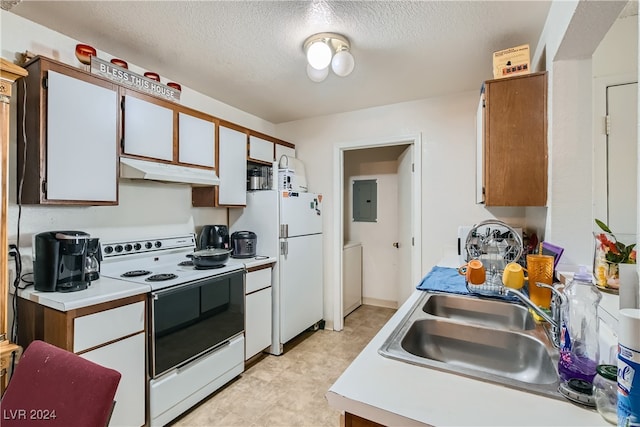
379 302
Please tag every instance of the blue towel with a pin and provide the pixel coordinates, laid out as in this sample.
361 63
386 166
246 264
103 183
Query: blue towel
444 279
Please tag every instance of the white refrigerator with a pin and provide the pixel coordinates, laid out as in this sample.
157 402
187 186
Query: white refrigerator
288 226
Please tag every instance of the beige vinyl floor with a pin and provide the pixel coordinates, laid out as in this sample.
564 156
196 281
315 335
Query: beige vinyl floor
289 390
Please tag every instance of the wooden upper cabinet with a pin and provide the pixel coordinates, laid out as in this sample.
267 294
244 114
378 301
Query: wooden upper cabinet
260 149
197 139
71 120
147 126
513 150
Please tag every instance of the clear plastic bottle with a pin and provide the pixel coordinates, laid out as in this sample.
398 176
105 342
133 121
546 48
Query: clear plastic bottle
579 350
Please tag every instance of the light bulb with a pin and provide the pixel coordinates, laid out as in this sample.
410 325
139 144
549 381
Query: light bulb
317 75
319 55
343 63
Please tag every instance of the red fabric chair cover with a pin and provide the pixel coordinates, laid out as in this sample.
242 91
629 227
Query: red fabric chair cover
53 387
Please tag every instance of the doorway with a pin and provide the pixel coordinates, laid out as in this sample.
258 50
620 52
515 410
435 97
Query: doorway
615 153
395 258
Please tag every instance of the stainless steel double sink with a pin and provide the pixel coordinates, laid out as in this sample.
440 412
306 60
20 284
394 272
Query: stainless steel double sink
485 339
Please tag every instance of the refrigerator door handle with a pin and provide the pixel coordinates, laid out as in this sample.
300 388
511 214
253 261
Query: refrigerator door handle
284 231
284 248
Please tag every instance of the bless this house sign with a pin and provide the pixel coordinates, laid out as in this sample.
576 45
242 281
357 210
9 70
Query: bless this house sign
123 76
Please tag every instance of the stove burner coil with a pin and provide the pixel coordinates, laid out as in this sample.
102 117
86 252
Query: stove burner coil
161 277
185 264
197 267
135 273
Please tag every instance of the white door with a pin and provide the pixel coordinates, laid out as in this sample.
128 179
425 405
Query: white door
90 152
405 238
301 213
126 356
233 167
622 158
301 304
196 141
148 129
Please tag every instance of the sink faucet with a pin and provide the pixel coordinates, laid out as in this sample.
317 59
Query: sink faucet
555 320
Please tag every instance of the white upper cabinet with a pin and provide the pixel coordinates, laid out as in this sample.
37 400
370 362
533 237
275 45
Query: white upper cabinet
232 167
260 149
148 128
283 150
81 140
196 140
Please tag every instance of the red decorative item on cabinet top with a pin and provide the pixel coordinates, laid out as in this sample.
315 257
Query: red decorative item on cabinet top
153 76
84 52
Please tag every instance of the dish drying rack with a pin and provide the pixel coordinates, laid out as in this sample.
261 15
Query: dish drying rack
495 249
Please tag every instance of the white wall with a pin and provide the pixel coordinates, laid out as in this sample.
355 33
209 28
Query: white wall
447 126
142 203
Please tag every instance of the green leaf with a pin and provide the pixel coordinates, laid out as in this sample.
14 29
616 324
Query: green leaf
603 226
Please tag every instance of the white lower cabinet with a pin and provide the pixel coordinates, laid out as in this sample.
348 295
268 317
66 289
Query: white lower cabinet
126 356
258 308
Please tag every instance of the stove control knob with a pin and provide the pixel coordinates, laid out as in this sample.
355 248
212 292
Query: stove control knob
118 248
108 249
128 247
137 246
158 244
148 245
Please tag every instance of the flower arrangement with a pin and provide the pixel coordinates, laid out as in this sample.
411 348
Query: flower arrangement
614 250
609 253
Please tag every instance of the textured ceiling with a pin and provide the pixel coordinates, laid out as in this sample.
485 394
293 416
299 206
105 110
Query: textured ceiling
248 54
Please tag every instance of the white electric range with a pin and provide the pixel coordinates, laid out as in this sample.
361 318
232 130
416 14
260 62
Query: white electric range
195 318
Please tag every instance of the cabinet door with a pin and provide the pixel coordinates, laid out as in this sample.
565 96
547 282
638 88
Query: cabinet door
283 150
148 128
233 167
260 149
127 357
257 332
81 140
196 140
515 165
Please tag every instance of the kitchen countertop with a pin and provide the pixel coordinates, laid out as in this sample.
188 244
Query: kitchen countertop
107 289
392 392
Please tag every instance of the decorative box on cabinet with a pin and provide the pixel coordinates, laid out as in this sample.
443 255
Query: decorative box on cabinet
72 124
112 334
512 142
258 297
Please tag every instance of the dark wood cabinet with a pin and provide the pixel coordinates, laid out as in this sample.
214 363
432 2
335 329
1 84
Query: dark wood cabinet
513 141
69 148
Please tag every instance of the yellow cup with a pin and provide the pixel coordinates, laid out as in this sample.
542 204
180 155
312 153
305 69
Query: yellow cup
513 275
540 269
473 271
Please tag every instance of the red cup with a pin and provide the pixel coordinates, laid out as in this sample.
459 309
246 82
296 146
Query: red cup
84 52
119 63
152 76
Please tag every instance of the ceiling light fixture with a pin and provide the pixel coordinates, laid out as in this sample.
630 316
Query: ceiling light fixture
324 49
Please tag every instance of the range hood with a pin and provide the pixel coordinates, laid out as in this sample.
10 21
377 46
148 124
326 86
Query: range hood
144 169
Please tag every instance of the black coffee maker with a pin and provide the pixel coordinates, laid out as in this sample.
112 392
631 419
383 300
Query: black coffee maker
214 236
60 261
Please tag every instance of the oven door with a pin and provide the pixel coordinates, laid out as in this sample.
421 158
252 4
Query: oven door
195 318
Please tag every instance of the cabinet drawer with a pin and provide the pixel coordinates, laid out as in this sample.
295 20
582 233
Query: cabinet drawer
257 280
98 328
